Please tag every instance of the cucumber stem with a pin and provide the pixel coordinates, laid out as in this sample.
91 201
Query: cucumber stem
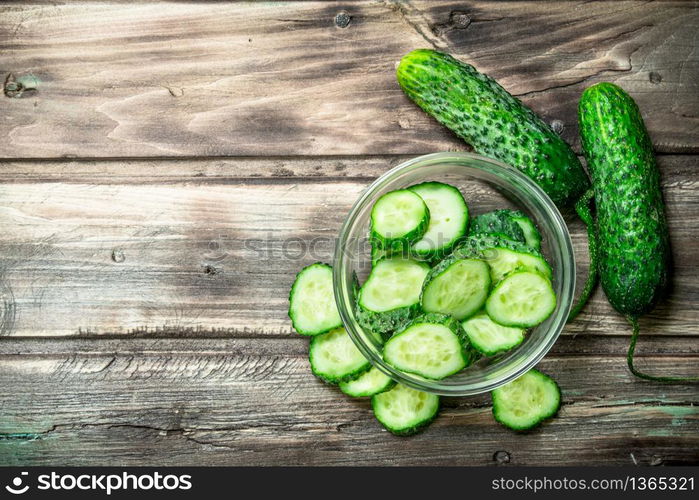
582 207
629 360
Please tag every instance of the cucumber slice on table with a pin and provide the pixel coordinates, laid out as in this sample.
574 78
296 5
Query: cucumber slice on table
405 411
503 255
526 401
433 346
448 219
457 287
523 299
490 338
398 218
390 297
334 357
497 222
312 306
368 384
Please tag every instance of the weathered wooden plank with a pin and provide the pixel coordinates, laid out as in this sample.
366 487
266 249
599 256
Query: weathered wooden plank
206 247
116 79
255 402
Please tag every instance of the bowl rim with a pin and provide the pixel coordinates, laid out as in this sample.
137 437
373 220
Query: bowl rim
342 280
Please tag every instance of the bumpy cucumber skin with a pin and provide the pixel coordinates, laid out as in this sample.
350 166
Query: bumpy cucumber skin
634 249
496 124
409 431
439 253
403 242
333 379
532 236
291 294
499 415
498 223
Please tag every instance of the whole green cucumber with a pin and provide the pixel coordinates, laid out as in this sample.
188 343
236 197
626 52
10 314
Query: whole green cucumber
496 124
632 235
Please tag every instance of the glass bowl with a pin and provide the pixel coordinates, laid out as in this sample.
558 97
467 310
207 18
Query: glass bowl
486 185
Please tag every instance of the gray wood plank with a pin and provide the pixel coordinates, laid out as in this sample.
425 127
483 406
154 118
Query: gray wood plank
254 401
115 79
211 247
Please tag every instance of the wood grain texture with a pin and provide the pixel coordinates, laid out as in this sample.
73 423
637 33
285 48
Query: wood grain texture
254 401
211 247
109 79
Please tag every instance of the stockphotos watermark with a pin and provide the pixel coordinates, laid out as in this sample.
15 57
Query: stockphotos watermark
106 483
272 246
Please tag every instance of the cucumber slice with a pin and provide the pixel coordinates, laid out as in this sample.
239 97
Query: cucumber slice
532 236
497 222
368 384
398 219
523 299
334 357
312 306
404 411
526 401
433 346
490 338
503 256
448 219
457 287
390 296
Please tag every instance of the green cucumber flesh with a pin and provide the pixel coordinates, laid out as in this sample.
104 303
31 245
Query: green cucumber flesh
456 287
312 307
334 357
526 401
503 255
391 294
398 219
405 411
448 219
490 338
433 346
368 384
522 299
532 236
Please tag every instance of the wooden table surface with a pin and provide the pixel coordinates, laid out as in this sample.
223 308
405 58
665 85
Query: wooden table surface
162 167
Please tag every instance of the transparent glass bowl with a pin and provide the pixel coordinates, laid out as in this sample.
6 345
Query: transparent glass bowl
486 185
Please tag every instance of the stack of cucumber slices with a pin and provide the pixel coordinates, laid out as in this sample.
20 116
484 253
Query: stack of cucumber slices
445 290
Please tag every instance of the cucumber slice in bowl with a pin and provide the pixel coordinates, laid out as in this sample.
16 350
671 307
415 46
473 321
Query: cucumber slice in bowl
390 297
523 299
457 287
490 338
433 346
497 222
532 236
312 307
526 401
398 219
404 411
503 255
334 357
368 384
448 219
